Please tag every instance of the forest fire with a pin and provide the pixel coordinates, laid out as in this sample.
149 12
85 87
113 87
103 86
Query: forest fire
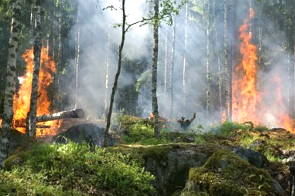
245 101
21 101
248 102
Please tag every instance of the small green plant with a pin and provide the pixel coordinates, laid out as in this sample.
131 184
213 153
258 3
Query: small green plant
199 139
261 128
73 167
227 128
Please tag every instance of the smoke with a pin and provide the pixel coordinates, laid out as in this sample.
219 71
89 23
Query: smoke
99 42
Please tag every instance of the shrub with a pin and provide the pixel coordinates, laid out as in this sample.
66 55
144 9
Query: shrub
74 167
227 128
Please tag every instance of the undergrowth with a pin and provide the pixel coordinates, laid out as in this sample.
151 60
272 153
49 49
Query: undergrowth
60 169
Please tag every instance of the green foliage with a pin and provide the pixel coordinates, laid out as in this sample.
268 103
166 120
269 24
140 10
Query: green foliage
143 79
168 9
138 132
73 167
227 128
260 128
199 139
24 182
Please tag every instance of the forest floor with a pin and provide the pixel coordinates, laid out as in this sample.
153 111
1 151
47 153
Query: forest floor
228 159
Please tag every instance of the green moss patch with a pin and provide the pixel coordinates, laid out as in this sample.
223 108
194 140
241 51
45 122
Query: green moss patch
226 174
74 168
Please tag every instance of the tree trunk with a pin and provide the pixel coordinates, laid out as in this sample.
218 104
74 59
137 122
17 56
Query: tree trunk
227 82
114 89
77 61
172 70
230 61
31 121
166 61
208 68
107 78
10 79
58 60
184 66
154 68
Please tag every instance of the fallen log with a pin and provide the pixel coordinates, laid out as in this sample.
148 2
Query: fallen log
37 126
76 113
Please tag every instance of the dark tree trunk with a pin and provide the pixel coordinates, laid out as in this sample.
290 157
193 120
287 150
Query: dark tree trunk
31 121
10 79
114 89
154 69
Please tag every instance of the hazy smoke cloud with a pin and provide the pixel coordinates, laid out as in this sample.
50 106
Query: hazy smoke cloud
99 42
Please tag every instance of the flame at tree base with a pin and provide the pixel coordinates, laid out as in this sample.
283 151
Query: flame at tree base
21 100
248 102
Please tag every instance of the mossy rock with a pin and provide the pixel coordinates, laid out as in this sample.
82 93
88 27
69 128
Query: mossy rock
226 174
169 163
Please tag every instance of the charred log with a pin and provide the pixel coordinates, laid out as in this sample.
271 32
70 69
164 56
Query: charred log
37 126
77 113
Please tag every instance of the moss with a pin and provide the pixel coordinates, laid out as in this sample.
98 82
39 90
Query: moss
75 167
228 128
226 174
261 128
25 183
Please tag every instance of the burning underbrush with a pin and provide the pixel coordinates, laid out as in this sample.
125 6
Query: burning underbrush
21 100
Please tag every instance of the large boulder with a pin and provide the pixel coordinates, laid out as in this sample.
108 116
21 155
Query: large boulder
169 163
83 133
255 158
226 174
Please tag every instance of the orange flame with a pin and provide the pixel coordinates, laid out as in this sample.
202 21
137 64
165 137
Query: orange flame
21 101
151 116
245 94
247 101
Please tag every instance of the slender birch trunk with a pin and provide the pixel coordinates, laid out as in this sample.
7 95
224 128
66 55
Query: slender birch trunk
227 82
184 66
107 77
77 61
208 68
230 60
292 82
114 89
31 121
166 61
11 78
59 57
155 67
172 70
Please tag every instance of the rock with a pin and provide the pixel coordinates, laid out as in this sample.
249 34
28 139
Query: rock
88 132
170 163
226 174
255 158
278 188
